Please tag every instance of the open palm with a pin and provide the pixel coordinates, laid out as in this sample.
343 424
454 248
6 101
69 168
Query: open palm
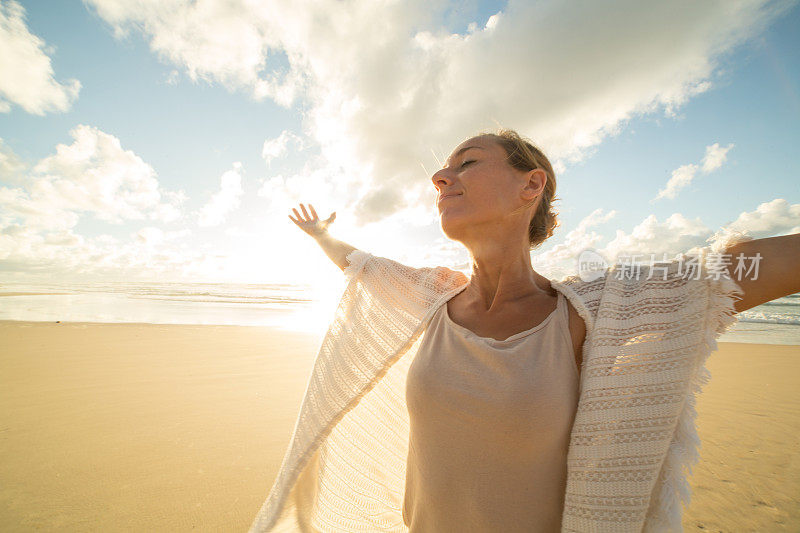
310 223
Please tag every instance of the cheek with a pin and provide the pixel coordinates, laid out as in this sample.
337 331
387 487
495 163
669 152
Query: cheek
481 185
490 198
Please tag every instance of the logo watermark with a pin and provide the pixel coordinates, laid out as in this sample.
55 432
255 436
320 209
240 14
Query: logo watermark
591 265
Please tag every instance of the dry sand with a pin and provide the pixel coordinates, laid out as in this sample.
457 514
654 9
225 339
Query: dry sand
138 427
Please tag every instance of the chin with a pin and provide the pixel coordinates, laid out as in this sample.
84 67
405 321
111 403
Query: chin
454 230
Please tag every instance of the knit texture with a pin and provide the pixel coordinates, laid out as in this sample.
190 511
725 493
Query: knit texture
633 440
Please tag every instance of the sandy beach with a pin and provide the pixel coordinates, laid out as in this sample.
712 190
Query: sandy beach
132 427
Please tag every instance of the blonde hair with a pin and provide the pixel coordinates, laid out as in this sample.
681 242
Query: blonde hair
524 155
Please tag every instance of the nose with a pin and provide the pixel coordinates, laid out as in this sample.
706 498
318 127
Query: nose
441 179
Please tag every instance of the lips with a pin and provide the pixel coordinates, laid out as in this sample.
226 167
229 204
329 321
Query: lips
445 196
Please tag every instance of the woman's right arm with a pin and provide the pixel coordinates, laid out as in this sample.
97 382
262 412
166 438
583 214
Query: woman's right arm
318 229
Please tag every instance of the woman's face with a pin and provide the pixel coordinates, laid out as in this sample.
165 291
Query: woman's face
480 194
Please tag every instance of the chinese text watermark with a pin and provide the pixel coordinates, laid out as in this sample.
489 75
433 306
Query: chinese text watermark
592 265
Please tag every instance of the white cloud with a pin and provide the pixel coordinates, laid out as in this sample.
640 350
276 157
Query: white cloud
225 200
11 166
652 239
27 75
220 41
172 78
63 238
777 217
279 146
682 176
152 252
152 236
383 84
93 175
17 205
715 157
315 183
275 190
675 235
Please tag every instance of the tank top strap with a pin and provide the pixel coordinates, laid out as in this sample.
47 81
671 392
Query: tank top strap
563 307
563 318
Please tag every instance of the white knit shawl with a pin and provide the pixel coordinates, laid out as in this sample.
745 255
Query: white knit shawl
633 439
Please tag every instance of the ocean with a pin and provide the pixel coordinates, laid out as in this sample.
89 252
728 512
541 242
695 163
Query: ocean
287 306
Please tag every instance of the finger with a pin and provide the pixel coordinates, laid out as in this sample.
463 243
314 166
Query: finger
297 214
304 211
313 211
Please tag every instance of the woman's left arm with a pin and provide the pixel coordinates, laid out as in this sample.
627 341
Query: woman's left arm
778 269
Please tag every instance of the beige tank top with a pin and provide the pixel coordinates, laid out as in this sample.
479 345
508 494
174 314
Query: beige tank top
490 426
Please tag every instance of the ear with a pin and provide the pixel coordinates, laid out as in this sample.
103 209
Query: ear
537 179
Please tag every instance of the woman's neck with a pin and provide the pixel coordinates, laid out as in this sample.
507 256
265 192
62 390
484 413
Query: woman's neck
500 275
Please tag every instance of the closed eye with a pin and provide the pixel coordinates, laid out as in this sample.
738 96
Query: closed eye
465 163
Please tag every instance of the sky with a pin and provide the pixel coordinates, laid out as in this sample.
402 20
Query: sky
168 140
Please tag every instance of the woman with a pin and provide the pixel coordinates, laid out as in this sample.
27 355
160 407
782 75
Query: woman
505 427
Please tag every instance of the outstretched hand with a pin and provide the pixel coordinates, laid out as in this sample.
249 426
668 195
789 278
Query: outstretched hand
311 224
